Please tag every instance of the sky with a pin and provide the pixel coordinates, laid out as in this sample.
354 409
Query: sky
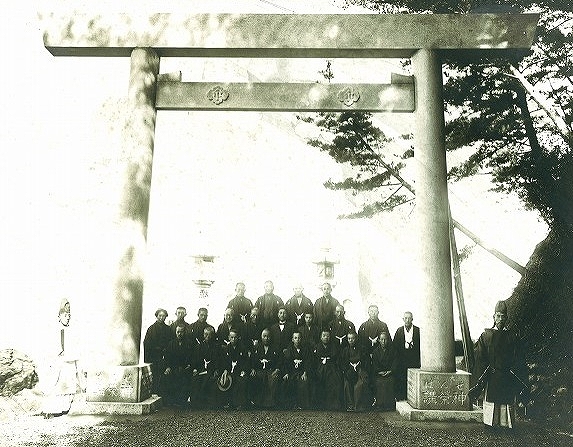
243 186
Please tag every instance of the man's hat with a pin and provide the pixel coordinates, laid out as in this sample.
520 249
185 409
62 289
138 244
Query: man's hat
501 307
225 381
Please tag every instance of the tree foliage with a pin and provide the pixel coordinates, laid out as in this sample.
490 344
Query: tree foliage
516 122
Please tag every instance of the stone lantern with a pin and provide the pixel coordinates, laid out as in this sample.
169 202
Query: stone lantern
203 277
325 266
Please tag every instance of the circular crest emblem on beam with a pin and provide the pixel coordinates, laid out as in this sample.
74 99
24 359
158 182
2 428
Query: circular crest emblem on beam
217 95
348 96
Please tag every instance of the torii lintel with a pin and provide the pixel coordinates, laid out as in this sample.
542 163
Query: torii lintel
288 35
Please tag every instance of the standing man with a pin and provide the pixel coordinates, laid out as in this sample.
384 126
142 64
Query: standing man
297 306
498 369
297 370
268 305
155 344
229 322
180 314
197 328
324 307
309 331
407 347
240 303
370 330
281 332
340 327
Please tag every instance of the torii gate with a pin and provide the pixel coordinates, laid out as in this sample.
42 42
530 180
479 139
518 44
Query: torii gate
426 39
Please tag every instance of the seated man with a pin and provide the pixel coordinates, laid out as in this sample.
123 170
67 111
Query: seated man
177 375
235 363
383 368
205 371
297 369
328 377
355 364
264 373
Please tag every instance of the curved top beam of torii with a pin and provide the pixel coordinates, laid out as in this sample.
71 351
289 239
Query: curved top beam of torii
288 35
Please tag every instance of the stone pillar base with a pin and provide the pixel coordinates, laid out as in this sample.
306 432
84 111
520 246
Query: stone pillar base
121 384
439 391
413 414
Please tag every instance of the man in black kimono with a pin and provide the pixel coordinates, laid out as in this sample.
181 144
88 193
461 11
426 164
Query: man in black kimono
155 342
355 366
499 370
369 331
268 305
407 345
382 371
207 358
297 306
235 362
240 303
328 377
180 314
177 375
340 327
297 369
198 327
265 373
324 307
229 322
252 330
309 331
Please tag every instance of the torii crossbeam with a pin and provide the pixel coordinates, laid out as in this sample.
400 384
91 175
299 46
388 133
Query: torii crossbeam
426 38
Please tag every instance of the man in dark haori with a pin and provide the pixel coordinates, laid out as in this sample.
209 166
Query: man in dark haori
328 378
369 331
229 322
180 314
207 360
382 372
252 330
240 303
265 373
324 307
155 342
235 363
268 305
309 331
297 369
340 327
177 375
355 366
198 327
297 306
407 345
499 371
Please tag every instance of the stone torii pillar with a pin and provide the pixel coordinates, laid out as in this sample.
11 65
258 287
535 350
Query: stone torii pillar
424 38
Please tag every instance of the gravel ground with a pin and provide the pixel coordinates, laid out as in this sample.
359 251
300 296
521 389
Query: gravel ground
174 428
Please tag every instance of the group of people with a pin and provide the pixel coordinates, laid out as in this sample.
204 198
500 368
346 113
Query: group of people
274 354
